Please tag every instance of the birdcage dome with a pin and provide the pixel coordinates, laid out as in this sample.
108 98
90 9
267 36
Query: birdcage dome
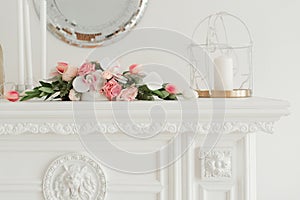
226 70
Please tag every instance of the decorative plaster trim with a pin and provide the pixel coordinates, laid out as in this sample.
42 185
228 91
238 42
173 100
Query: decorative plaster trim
216 164
74 176
18 128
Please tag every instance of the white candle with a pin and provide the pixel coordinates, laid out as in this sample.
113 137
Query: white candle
21 42
223 73
43 21
28 44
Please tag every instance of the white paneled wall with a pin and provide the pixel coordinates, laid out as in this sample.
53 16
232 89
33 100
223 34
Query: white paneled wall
275 28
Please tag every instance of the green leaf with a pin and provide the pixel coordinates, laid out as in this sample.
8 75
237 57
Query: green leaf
33 92
145 89
165 94
48 96
26 98
70 85
55 83
145 94
47 90
171 97
157 93
44 84
55 86
161 94
145 97
64 91
43 94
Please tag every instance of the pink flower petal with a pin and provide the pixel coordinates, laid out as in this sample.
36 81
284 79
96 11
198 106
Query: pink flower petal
12 96
172 89
134 69
111 89
62 67
86 68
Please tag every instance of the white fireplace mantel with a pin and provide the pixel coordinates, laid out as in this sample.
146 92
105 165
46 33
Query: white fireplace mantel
34 134
244 115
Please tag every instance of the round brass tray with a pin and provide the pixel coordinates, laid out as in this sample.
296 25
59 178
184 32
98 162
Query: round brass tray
237 93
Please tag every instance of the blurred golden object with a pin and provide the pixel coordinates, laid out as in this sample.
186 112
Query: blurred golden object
1 72
239 93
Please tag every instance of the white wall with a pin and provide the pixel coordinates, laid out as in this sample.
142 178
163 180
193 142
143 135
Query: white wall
276 31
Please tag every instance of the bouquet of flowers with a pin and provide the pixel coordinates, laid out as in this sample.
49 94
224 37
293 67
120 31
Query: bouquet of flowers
70 83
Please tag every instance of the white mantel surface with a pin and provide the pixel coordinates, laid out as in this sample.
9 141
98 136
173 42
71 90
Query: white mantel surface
257 110
33 134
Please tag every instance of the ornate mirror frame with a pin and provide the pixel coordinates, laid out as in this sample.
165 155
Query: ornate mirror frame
89 37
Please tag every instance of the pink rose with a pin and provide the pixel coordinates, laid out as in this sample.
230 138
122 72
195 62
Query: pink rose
61 67
128 94
70 73
134 69
171 88
86 68
111 89
12 96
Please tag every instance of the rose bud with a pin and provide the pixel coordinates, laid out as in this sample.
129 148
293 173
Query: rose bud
12 96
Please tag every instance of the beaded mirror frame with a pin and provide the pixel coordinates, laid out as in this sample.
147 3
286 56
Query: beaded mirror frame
89 36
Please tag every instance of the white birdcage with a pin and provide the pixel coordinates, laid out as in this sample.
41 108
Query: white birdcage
226 68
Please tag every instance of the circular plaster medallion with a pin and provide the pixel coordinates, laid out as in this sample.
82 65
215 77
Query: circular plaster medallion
74 177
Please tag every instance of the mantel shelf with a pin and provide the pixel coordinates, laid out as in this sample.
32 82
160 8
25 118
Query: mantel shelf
244 115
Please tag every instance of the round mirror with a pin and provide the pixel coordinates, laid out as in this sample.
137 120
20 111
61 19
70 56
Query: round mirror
91 23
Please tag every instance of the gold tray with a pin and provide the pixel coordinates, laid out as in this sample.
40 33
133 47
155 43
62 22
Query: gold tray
237 93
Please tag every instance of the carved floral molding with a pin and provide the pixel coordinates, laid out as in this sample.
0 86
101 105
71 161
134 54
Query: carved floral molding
134 129
216 164
74 177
